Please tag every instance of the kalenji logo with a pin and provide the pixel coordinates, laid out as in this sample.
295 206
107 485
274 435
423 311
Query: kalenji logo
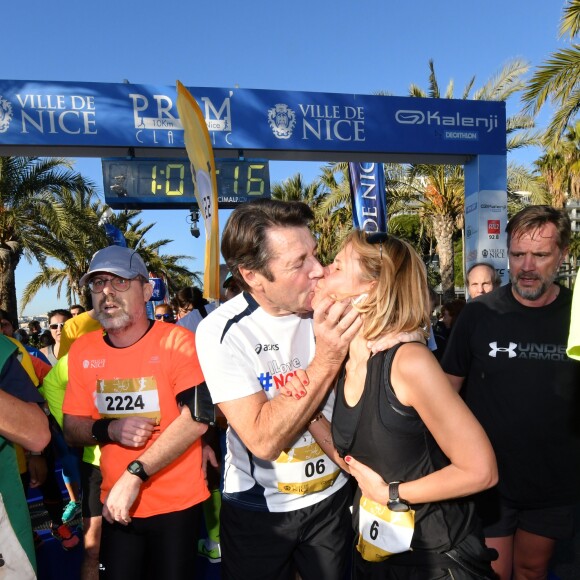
455 120
410 117
511 349
493 226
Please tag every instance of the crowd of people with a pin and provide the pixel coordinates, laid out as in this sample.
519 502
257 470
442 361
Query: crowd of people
319 420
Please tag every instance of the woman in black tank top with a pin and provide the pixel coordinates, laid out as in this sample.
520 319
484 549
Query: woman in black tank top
405 433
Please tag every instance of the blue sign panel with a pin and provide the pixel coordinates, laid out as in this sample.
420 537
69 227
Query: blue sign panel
102 119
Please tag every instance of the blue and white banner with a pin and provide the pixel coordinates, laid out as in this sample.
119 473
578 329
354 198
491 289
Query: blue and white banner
368 197
113 120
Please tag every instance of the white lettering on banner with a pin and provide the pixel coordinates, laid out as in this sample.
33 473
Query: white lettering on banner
213 116
332 122
162 119
325 130
52 114
152 137
413 117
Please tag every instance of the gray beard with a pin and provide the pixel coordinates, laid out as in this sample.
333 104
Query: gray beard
531 294
116 323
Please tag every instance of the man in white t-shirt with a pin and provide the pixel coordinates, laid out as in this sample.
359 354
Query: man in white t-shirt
285 502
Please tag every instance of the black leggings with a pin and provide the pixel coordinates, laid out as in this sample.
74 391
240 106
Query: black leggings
163 546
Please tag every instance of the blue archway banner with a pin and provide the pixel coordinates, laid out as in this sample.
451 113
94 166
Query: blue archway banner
106 119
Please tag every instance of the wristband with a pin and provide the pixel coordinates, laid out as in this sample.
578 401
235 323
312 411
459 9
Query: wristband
100 431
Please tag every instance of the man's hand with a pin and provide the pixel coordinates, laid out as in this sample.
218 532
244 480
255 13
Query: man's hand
386 341
37 470
121 498
208 455
132 431
335 325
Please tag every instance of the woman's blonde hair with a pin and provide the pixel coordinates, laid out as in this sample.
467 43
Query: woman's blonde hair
399 301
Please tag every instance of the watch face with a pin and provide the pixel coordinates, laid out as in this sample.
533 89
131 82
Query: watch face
398 506
136 468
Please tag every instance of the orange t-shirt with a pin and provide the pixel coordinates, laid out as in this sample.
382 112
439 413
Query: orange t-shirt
140 380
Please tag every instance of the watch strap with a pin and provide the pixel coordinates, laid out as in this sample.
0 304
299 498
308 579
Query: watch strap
394 490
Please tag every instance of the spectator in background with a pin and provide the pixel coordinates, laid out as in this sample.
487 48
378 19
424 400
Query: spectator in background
442 329
231 287
191 307
34 332
77 309
22 335
481 279
76 326
56 320
164 313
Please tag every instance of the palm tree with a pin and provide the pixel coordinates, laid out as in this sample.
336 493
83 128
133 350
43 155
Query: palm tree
86 236
557 79
559 167
330 223
75 235
438 190
29 187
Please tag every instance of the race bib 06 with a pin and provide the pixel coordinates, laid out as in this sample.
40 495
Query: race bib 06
306 469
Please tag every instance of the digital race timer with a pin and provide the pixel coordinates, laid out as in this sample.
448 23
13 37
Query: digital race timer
167 183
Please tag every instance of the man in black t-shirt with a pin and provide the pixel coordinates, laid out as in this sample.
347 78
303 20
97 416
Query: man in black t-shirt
509 346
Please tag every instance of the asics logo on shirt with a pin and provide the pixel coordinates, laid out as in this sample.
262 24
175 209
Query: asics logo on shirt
511 349
265 347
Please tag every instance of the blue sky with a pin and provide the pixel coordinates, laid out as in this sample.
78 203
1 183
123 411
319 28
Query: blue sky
343 46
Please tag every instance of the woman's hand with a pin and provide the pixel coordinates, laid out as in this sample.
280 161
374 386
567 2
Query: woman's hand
370 482
296 385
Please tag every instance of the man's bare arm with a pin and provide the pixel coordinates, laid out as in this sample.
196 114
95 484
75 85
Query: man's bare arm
268 426
172 443
130 432
23 423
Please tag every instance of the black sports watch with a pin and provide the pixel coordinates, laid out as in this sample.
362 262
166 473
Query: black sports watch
395 503
136 468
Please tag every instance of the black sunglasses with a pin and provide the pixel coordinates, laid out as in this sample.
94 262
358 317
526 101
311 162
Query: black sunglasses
56 325
167 316
378 238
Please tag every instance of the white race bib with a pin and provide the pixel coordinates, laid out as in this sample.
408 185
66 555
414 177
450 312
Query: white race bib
305 469
119 398
383 532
